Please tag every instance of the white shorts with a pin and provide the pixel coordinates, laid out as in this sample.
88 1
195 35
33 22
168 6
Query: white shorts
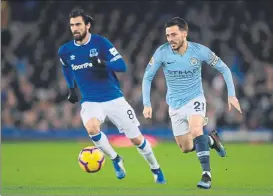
180 117
118 111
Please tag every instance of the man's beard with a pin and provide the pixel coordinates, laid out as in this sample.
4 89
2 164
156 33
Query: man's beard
179 46
79 37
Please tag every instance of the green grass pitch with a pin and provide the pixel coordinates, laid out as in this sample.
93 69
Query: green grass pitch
51 168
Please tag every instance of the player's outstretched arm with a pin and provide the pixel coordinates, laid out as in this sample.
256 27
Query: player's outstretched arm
69 78
66 69
149 74
232 100
214 61
68 75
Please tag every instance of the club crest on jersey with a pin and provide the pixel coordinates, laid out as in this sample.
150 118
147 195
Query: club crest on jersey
151 62
193 61
93 52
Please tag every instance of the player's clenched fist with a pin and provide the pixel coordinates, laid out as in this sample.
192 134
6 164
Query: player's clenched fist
147 112
96 62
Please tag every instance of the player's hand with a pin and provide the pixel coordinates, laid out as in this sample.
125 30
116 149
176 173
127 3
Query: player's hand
97 63
147 112
232 100
72 97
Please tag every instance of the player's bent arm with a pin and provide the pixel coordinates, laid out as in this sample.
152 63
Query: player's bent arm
66 69
116 64
225 71
149 74
68 75
214 61
113 59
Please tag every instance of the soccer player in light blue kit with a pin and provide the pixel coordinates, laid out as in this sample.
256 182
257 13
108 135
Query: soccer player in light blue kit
182 61
91 61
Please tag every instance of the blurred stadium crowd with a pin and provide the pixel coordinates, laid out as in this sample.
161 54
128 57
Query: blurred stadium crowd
34 92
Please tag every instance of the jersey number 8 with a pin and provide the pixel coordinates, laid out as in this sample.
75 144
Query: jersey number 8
130 114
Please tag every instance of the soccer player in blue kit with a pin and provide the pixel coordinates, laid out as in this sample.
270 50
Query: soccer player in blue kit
182 61
91 61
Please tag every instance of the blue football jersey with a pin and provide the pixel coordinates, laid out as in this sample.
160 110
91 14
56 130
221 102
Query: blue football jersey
183 73
95 85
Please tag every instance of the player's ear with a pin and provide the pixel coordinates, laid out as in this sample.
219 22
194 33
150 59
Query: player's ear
90 22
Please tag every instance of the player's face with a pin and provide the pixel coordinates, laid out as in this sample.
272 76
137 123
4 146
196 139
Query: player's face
78 28
176 37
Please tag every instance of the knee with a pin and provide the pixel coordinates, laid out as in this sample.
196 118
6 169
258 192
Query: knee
137 140
93 126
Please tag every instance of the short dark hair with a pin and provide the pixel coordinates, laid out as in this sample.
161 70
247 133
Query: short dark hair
180 22
80 12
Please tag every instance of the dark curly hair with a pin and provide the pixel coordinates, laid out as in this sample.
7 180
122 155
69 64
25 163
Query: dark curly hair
80 12
180 22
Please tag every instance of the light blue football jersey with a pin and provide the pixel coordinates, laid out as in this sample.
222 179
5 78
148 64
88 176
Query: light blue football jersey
183 73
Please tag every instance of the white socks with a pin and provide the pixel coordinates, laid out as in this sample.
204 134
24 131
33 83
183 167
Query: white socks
100 140
146 151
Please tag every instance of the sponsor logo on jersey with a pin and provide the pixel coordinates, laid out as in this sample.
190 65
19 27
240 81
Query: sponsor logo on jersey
82 66
170 62
185 73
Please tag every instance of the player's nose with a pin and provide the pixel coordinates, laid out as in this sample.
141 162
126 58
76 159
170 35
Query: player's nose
75 30
170 41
